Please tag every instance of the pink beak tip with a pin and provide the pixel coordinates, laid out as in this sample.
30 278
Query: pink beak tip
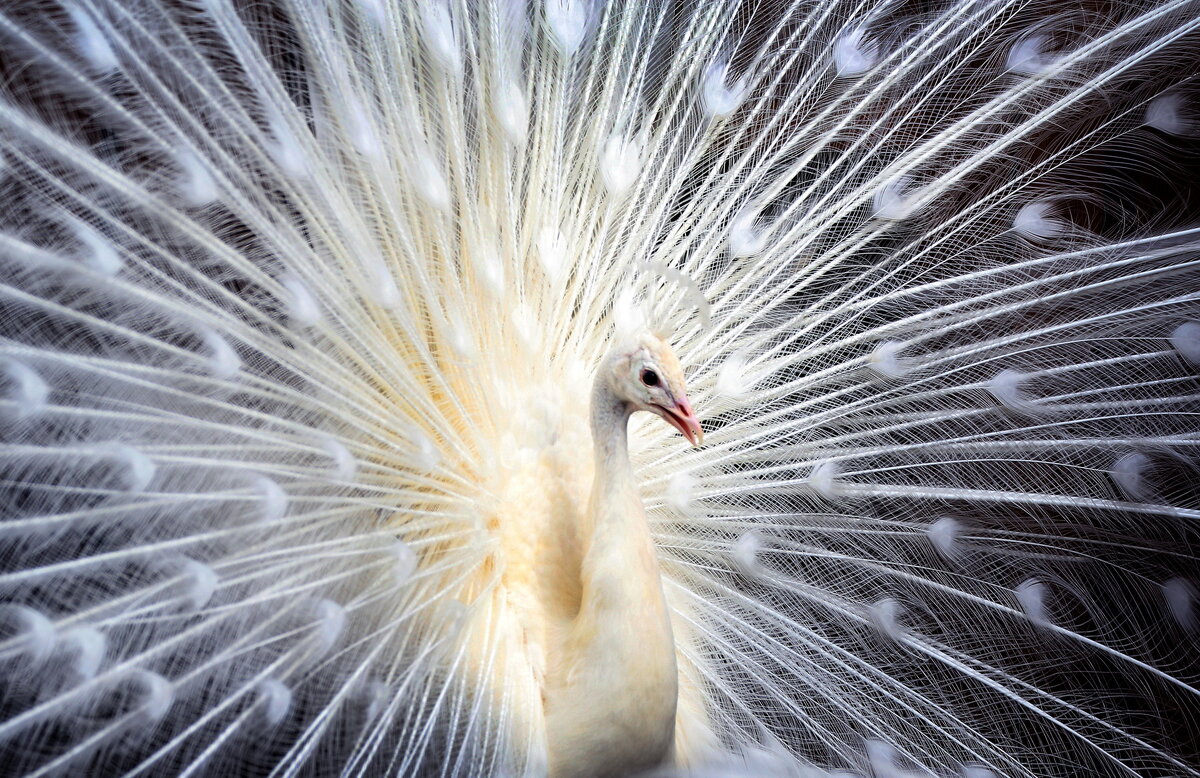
683 418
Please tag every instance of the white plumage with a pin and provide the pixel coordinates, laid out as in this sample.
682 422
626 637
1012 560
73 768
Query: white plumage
303 304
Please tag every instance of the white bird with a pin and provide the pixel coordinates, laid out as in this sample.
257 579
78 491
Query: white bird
324 325
615 649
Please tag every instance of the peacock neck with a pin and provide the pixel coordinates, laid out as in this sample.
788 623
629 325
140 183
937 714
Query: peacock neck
610 436
613 688
617 524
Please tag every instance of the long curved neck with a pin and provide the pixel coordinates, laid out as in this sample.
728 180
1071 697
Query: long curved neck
611 705
610 439
616 521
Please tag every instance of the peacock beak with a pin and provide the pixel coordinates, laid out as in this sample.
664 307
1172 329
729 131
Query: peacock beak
683 418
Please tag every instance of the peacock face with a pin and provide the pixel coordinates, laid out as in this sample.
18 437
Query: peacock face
650 378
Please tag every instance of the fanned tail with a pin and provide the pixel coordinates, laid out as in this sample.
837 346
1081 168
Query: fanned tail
295 293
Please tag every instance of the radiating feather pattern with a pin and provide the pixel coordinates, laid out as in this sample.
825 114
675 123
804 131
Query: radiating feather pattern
294 294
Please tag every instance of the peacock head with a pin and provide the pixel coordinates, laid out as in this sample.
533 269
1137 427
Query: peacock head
646 374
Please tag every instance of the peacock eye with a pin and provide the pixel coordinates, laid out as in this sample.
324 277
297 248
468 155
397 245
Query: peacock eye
649 378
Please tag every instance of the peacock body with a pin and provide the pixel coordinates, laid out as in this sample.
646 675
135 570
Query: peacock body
301 308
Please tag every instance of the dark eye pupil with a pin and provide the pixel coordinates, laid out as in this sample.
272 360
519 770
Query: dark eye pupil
649 378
